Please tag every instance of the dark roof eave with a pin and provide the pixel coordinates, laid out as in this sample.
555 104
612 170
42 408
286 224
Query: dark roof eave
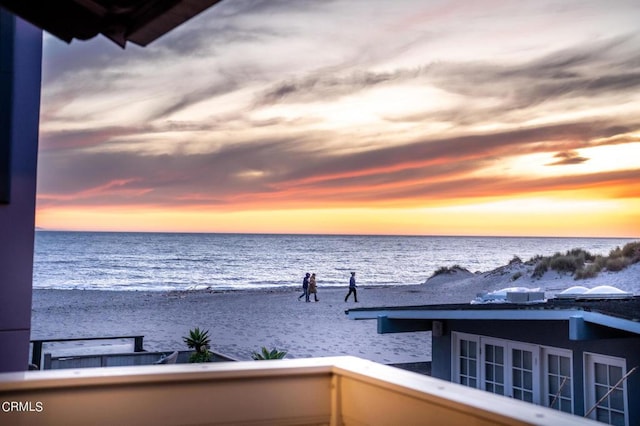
619 314
137 21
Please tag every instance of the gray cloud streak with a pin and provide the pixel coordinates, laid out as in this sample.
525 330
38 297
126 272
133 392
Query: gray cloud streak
284 165
567 158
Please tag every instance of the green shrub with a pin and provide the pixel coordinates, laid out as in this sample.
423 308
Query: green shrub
541 268
579 253
590 271
266 355
617 263
615 253
632 251
204 356
536 258
200 341
564 264
601 261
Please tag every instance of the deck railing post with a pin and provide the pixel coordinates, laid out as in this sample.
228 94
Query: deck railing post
137 344
47 362
36 353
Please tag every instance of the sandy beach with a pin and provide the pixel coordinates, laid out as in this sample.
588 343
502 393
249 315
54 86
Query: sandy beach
241 322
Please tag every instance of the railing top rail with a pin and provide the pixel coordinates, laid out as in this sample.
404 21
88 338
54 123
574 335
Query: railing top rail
76 339
311 391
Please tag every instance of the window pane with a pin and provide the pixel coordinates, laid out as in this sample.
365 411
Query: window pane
566 389
473 383
488 387
517 358
489 351
600 392
500 390
463 380
464 350
528 397
499 374
463 367
617 419
601 373
553 364
517 379
565 366
472 368
602 415
554 385
528 380
615 374
517 394
472 349
499 355
488 372
527 360
565 405
616 400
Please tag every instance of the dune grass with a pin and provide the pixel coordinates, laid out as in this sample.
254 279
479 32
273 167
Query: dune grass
582 264
577 262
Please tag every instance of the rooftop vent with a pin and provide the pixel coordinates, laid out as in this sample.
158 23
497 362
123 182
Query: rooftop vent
511 295
599 292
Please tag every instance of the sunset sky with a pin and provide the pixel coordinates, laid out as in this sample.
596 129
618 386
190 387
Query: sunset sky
352 116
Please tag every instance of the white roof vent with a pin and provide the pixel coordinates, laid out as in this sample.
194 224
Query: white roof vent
511 295
599 292
576 289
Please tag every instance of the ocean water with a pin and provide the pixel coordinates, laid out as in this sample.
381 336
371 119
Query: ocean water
165 261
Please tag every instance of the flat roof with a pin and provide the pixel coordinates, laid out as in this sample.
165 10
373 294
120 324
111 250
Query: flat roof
621 314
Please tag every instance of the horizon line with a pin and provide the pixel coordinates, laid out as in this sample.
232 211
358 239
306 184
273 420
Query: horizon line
41 229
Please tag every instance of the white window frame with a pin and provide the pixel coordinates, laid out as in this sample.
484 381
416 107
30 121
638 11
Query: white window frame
508 347
565 353
484 341
535 368
508 365
455 359
590 359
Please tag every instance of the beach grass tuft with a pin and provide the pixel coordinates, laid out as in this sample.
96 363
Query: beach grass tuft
582 264
446 270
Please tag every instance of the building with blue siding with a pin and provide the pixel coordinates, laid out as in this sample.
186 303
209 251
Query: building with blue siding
575 355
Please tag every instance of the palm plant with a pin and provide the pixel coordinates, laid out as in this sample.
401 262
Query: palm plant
266 355
200 341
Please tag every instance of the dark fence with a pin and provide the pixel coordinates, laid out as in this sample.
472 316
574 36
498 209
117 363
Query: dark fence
118 360
47 361
37 355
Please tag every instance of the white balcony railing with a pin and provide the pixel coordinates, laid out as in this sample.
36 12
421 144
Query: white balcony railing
315 391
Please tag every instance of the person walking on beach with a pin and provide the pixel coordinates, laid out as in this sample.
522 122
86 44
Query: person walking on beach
352 288
313 288
305 288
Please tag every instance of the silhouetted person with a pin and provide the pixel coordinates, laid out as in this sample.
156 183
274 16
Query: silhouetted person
313 288
352 288
305 288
